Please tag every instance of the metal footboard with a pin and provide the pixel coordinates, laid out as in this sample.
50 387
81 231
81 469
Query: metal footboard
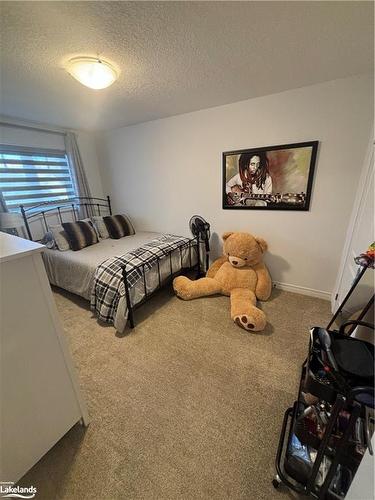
193 245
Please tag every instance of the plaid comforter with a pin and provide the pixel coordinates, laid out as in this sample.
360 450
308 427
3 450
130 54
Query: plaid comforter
108 286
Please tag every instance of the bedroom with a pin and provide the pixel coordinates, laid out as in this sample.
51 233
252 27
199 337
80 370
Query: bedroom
186 403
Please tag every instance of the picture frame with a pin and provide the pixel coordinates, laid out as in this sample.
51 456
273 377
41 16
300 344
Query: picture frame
270 177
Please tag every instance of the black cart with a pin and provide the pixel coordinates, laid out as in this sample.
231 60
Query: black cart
328 429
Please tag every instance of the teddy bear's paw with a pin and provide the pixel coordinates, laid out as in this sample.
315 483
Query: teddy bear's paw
246 322
181 287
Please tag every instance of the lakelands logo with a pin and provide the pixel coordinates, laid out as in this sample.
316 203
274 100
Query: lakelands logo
7 490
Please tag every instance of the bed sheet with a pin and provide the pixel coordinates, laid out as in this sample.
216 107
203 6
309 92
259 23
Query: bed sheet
74 271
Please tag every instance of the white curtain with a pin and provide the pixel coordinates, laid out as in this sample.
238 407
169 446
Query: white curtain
76 164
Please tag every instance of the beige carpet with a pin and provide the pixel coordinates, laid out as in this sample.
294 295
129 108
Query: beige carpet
186 406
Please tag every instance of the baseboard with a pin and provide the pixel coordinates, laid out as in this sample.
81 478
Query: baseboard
311 292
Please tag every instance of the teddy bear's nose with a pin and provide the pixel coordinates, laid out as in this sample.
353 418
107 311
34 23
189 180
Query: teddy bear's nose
234 262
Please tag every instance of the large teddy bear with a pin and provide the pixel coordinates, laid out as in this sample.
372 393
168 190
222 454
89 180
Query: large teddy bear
239 274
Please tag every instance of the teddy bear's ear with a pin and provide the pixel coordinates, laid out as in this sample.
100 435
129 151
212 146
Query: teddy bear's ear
262 243
227 234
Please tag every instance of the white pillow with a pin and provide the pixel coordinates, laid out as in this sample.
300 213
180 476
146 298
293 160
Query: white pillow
59 235
100 226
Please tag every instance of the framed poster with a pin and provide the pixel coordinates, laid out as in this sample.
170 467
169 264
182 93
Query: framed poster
269 178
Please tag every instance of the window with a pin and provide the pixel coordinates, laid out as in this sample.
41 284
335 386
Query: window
29 176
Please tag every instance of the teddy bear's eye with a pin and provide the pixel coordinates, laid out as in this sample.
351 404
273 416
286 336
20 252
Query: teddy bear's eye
245 258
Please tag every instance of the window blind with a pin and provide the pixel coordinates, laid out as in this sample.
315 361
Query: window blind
31 176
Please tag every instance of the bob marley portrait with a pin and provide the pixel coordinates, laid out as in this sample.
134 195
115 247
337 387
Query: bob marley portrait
274 177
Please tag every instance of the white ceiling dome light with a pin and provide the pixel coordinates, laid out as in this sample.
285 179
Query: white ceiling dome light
92 72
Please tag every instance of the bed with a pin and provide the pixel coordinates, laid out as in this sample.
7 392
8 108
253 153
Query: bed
77 271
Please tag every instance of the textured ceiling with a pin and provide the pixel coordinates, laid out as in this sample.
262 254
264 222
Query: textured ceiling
174 57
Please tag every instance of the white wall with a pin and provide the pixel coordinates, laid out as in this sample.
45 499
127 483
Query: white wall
35 138
162 172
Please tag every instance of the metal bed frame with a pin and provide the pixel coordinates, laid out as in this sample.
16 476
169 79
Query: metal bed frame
60 207
90 205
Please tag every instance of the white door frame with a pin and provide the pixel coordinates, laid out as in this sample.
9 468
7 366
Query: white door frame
366 172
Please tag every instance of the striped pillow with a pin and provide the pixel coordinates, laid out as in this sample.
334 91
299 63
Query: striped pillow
118 226
80 234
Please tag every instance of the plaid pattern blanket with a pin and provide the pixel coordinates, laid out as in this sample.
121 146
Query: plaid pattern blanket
108 286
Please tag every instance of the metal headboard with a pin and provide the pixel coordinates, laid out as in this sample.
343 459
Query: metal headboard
61 207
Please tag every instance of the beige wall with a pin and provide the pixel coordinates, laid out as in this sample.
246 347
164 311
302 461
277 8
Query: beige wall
162 172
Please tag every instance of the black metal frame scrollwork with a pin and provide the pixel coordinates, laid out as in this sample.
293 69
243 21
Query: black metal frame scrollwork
61 207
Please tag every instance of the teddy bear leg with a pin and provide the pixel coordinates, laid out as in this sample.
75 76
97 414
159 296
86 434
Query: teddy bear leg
188 289
244 311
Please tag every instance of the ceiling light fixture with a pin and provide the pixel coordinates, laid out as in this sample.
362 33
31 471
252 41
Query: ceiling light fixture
92 72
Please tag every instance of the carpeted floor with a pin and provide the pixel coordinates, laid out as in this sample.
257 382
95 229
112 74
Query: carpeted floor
185 406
